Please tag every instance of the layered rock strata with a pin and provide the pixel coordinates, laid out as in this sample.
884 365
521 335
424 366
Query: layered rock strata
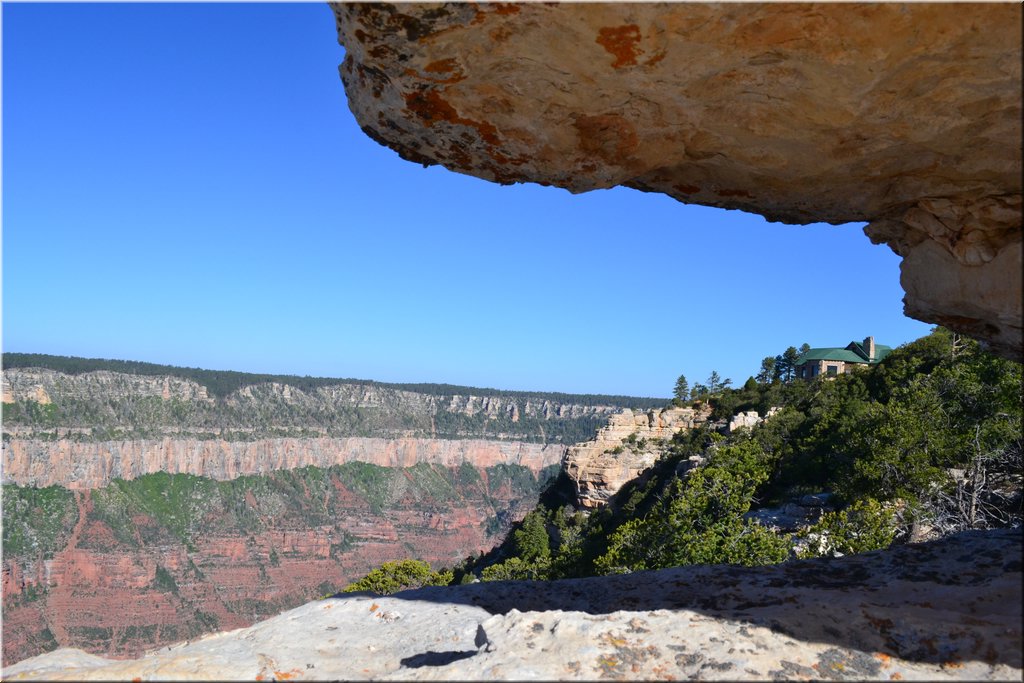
189 511
945 610
629 444
45 386
126 568
88 465
907 117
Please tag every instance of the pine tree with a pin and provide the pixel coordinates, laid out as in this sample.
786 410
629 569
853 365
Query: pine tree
767 373
714 381
785 364
682 389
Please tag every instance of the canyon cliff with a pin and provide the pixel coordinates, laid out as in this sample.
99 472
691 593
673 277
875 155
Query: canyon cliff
627 446
88 465
97 404
907 117
143 509
124 568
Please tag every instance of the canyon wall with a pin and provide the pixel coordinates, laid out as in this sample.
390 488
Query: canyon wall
144 509
125 568
905 116
46 386
87 465
103 405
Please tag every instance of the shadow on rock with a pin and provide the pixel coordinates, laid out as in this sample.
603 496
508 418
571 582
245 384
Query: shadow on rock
942 602
436 658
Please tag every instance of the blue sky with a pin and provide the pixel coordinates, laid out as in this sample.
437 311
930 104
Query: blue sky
185 184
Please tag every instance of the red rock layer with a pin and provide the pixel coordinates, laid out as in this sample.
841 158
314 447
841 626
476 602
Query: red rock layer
107 596
88 465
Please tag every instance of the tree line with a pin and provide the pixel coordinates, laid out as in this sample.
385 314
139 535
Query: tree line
220 383
780 368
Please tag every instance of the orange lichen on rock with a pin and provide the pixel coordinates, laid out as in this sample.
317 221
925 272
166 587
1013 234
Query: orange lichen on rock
431 108
655 59
441 66
609 136
621 43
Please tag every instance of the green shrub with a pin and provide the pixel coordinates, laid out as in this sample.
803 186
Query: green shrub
866 525
701 520
401 575
531 540
518 569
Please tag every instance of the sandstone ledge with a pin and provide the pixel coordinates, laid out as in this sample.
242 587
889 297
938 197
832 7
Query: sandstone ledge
630 443
948 609
906 116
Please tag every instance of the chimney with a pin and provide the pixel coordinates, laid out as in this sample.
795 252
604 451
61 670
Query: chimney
869 347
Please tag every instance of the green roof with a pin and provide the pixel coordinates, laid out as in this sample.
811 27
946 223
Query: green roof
830 354
854 352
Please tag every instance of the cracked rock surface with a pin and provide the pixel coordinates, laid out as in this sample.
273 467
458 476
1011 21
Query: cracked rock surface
947 609
906 116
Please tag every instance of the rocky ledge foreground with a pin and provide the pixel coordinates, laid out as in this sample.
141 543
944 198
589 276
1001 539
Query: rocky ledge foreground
948 609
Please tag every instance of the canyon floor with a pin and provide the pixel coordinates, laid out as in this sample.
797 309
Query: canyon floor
944 610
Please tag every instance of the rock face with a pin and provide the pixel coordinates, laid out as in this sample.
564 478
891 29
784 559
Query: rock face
747 419
904 116
629 444
797 514
175 511
85 404
945 610
88 465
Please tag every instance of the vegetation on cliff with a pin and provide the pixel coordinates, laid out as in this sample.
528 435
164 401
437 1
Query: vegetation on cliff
213 553
37 521
400 575
930 439
224 382
164 508
244 406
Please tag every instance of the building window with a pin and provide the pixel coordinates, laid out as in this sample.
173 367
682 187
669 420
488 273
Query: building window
832 370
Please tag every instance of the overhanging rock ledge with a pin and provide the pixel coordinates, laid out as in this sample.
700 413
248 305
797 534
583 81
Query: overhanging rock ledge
906 116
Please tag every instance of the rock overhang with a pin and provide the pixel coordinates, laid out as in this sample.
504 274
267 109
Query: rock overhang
907 117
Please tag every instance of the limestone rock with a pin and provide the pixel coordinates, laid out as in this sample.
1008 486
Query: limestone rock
795 515
944 610
907 116
105 392
92 464
748 419
629 444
